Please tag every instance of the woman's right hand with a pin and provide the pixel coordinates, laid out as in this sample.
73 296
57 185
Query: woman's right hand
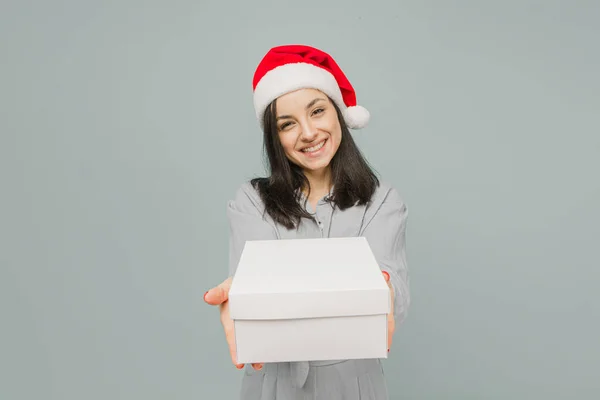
219 296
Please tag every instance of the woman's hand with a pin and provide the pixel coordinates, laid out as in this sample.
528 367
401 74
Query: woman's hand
391 321
219 296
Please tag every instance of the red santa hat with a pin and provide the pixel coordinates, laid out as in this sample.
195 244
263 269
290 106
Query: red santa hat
288 68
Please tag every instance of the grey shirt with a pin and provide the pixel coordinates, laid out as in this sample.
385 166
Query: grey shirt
382 222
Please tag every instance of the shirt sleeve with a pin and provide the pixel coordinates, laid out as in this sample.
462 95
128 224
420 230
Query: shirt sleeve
247 221
386 234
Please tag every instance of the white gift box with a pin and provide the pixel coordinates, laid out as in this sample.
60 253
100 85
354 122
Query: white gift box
309 300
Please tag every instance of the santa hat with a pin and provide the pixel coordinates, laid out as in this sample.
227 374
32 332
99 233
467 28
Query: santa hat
288 68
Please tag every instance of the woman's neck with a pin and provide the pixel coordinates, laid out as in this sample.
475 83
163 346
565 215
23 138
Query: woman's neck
320 184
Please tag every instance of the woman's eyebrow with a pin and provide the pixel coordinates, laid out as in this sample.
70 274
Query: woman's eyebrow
309 105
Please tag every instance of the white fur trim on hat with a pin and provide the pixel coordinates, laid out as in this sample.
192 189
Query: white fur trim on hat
290 77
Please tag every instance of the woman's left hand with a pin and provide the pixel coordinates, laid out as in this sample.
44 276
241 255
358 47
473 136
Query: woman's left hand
391 321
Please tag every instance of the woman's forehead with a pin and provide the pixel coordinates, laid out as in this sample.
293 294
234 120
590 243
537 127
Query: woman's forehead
300 98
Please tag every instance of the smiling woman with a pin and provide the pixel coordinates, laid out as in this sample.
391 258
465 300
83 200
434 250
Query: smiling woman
310 147
306 121
319 186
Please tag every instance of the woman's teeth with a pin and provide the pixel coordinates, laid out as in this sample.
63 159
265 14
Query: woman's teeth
314 148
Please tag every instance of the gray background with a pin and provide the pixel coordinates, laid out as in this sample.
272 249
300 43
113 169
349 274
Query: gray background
127 125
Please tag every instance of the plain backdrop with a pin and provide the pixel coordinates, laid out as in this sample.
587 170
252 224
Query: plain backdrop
127 125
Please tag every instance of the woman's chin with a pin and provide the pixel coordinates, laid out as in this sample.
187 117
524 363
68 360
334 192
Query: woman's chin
316 166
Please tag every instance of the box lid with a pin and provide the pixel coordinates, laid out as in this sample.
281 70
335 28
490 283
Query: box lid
307 278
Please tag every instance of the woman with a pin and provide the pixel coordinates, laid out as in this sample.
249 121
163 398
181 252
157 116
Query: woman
319 186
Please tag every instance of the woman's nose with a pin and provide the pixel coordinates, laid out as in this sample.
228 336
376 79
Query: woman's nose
309 132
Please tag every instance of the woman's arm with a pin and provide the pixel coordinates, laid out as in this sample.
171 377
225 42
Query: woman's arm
386 234
246 222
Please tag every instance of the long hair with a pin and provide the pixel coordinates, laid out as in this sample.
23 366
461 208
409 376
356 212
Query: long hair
353 179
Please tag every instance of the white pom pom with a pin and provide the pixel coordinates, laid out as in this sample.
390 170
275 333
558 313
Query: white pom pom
356 117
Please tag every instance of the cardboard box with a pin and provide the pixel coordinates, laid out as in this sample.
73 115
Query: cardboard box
309 300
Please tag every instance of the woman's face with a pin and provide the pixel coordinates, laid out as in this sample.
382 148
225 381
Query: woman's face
308 128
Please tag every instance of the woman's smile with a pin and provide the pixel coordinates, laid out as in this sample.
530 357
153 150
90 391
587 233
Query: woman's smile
314 150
